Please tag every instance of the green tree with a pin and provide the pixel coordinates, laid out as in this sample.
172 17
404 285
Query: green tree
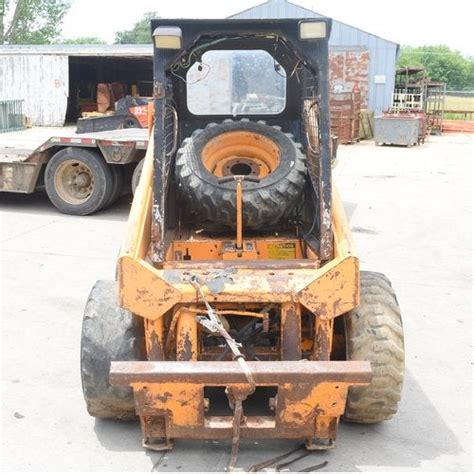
83 40
31 21
140 33
470 74
441 63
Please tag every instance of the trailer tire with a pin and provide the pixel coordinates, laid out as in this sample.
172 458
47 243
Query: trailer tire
117 186
374 332
240 148
109 333
137 172
78 181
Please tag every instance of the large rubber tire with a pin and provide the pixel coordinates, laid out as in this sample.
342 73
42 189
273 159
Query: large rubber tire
137 172
60 192
109 333
374 332
213 204
117 186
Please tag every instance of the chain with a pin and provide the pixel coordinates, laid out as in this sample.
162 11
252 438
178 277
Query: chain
213 324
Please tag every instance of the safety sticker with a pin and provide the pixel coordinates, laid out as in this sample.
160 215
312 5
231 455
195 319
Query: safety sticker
282 251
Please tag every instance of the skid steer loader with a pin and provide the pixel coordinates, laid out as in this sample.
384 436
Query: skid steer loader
237 279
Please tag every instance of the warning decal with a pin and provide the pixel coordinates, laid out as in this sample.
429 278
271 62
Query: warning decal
282 251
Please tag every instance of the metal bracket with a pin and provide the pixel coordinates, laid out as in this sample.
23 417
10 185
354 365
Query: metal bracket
157 444
320 444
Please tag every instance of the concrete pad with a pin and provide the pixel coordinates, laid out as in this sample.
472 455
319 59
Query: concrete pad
410 210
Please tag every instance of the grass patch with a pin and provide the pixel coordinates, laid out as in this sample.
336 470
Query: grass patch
455 103
459 103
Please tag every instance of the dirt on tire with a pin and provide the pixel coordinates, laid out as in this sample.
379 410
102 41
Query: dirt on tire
374 332
101 175
109 333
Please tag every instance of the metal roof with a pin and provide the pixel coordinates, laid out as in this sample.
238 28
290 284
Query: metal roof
284 8
116 50
383 53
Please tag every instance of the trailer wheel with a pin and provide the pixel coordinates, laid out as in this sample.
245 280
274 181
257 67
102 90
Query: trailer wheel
78 181
109 333
374 332
137 172
247 148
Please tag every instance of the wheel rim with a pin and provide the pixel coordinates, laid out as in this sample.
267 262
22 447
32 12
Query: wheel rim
74 182
241 153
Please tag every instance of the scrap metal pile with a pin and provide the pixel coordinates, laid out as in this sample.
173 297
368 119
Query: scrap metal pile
417 109
345 116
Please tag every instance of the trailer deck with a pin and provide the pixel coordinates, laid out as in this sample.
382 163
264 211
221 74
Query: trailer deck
23 154
18 146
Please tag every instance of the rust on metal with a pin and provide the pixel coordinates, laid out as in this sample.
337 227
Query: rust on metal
311 396
142 291
265 373
323 330
349 70
154 339
334 292
236 424
186 336
250 264
290 331
345 116
274 460
325 431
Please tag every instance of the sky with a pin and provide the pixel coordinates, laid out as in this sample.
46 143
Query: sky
407 22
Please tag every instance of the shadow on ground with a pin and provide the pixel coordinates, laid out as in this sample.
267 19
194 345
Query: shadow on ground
38 203
404 442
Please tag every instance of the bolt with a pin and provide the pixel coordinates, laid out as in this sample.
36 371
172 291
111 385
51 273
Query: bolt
272 403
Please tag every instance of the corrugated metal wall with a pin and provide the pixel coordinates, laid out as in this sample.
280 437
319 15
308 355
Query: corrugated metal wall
41 81
383 53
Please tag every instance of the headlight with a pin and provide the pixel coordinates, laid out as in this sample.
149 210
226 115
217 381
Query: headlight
168 37
312 30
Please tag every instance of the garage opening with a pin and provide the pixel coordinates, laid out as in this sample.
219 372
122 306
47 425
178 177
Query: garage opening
97 82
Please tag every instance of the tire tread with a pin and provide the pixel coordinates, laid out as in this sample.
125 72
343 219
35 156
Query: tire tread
374 332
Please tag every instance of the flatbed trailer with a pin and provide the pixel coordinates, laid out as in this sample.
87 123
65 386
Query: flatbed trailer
82 173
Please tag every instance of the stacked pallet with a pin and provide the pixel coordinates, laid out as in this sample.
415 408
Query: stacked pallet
345 116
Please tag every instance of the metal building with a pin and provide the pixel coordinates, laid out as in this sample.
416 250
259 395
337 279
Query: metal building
55 80
382 53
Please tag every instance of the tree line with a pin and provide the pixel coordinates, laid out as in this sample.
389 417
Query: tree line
39 22
441 64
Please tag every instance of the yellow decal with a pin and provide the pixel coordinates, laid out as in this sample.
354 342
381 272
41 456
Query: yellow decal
283 251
